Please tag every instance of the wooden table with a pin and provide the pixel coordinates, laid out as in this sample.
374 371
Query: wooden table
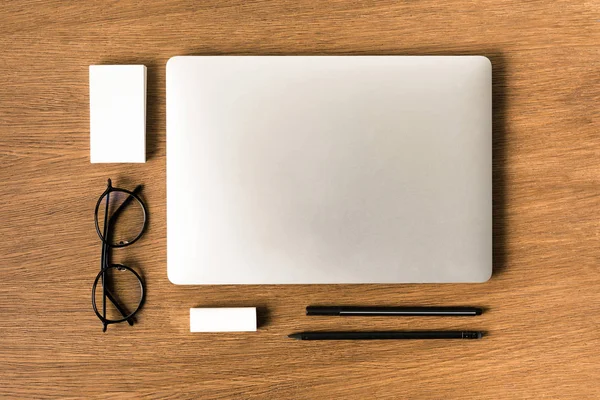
542 302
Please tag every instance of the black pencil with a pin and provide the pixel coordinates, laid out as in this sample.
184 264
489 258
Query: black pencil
386 335
393 311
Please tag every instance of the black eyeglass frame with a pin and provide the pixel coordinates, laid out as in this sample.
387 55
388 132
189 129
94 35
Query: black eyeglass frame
106 246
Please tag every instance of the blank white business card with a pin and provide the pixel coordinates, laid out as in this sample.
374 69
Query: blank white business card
117 113
223 319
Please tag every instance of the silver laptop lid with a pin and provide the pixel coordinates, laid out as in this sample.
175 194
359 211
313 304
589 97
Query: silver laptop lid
329 169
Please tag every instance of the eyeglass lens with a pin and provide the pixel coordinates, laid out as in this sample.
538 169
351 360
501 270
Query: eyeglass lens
125 217
123 290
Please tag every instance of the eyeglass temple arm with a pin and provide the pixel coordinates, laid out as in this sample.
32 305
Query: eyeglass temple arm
106 291
104 261
111 221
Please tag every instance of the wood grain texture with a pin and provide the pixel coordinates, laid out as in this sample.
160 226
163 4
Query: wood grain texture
543 302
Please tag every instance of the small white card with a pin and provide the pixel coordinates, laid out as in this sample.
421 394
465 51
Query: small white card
118 113
225 319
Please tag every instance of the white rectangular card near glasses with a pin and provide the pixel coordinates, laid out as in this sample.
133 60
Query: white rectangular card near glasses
329 169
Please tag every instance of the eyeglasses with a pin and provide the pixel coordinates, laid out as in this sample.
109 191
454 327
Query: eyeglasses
120 218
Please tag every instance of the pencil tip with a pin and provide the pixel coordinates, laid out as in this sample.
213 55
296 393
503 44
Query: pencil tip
295 336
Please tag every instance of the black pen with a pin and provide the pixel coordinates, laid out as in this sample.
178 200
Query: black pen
393 311
387 335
